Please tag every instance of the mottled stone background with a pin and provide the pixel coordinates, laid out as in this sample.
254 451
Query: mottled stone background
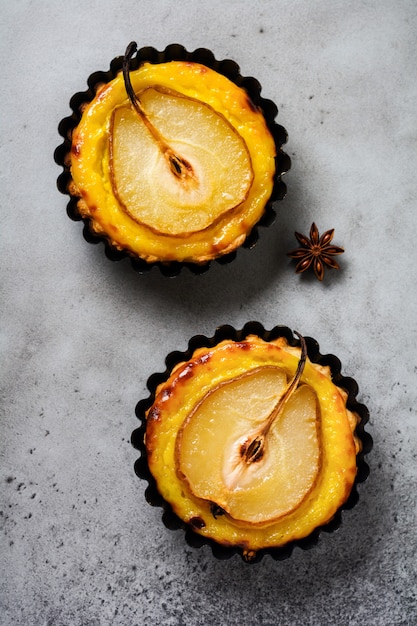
80 335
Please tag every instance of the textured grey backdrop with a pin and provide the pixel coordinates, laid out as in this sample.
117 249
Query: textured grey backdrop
80 335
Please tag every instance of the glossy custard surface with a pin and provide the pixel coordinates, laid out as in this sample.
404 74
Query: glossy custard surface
93 175
256 372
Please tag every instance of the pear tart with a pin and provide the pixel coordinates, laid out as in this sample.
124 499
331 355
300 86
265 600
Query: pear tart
252 441
172 158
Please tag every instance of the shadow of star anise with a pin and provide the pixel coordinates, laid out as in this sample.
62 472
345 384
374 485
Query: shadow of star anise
316 252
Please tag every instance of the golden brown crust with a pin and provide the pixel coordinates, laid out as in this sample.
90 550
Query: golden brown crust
91 169
180 394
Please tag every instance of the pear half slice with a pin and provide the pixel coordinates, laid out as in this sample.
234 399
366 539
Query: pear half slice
211 443
146 179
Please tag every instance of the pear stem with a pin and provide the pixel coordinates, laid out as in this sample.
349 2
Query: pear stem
179 166
130 51
254 450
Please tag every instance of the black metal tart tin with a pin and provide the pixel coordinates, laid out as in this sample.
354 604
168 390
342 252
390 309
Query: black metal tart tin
169 518
173 52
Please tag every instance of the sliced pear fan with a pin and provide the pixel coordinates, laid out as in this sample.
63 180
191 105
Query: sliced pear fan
211 443
145 178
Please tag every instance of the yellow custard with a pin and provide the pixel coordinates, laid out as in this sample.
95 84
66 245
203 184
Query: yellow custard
235 381
93 177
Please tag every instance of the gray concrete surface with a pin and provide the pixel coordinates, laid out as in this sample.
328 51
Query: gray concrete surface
80 335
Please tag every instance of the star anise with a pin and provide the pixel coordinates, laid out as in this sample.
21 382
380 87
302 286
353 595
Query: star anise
316 252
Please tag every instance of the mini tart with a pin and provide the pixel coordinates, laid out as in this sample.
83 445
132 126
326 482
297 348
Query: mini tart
86 154
183 388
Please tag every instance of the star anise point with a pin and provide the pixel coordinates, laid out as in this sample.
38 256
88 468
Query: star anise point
315 251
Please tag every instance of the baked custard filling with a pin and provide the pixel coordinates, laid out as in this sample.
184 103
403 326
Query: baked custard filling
185 175
251 443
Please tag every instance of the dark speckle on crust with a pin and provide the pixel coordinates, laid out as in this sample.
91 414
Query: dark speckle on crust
154 414
76 149
197 522
250 104
243 345
187 372
166 394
